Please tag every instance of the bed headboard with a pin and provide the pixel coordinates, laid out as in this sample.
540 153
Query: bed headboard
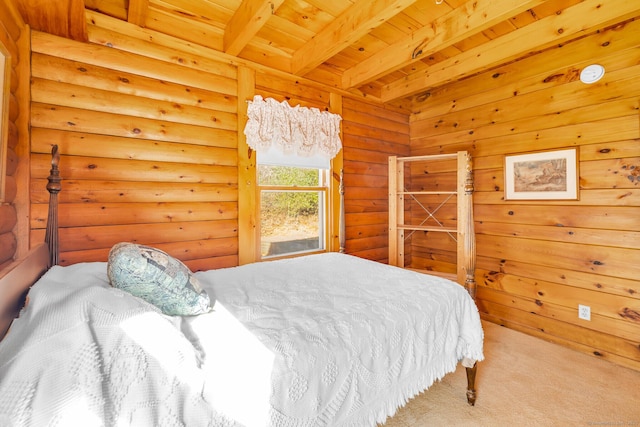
17 278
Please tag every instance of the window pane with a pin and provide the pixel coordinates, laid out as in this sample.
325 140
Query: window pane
291 222
288 175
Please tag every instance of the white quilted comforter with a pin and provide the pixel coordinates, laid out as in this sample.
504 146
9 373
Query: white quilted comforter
324 340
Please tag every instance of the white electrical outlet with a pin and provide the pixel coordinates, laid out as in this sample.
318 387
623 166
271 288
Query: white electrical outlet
584 312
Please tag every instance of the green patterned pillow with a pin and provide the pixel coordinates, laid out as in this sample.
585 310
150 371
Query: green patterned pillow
158 278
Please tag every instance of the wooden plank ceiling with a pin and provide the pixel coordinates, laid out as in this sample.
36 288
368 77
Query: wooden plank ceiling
385 49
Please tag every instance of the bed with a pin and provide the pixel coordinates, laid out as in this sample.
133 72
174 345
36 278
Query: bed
320 340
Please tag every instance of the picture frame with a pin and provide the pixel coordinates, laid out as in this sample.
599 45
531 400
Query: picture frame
545 175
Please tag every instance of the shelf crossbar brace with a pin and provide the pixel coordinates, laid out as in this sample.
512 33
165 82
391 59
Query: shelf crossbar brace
431 215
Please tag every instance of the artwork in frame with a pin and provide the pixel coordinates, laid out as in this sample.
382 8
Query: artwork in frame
547 175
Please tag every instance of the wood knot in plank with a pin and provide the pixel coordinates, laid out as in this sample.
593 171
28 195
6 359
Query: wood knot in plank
629 314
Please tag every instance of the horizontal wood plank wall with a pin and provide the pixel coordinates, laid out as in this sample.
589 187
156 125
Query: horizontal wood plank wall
148 136
538 260
148 149
294 92
370 135
11 29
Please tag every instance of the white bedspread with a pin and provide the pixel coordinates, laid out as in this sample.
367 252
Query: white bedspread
324 340
349 340
85 354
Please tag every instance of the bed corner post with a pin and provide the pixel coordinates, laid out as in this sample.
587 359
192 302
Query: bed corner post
471 381
470 235
341 232
53 187
470 262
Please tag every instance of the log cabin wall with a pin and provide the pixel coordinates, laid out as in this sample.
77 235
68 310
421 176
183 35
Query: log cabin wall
538 260
149 148
148 133
14 207
366 153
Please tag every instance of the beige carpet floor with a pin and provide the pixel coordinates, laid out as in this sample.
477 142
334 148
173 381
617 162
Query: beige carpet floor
526 381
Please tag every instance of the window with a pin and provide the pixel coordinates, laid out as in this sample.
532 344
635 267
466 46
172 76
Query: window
293 213
293 196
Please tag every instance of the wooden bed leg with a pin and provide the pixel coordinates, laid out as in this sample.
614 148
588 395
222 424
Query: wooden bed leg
471 384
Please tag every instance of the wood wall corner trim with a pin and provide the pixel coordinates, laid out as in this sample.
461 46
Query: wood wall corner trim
23 148
336 221
248 225
137 12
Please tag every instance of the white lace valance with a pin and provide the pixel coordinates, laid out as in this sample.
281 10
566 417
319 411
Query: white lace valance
293 130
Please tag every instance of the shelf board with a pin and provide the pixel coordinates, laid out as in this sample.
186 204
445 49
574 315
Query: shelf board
429 157
427 228
426 192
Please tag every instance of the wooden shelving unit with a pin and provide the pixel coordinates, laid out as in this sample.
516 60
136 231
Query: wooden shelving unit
464 230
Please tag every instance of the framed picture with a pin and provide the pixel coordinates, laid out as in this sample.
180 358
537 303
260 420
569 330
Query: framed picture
548 175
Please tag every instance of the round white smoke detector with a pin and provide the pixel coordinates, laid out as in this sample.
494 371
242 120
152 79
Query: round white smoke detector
591 73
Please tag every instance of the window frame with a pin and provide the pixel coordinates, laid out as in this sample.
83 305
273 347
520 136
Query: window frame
326 208
248 247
